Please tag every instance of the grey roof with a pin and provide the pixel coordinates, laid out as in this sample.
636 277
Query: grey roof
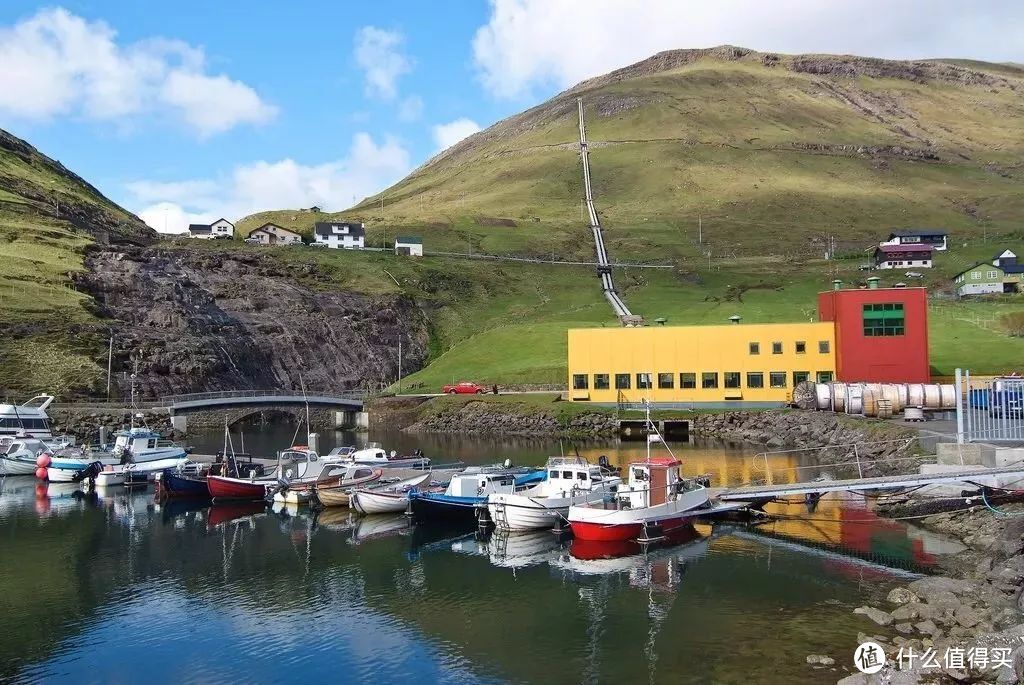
326 228
918 232
199 228
409 239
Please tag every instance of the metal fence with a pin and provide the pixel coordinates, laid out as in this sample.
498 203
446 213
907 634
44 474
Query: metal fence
989 409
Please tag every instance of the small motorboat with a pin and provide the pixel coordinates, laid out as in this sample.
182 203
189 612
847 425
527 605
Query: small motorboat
388 498
19 455
241 489
570 481
374 455
468 490
172 483
335 493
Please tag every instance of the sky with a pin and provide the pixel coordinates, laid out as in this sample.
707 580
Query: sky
198 109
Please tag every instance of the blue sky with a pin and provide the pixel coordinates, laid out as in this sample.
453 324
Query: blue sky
202 108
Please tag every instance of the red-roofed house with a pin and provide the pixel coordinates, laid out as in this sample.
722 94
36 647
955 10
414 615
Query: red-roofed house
903 256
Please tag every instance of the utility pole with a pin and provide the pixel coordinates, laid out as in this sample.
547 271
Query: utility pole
110 360
399 365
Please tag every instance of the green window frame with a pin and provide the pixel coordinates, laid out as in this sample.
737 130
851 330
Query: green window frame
777 379
580 381
643 381
824 376
622 381
687 380
709 380
883 319
800 377
731 379
666 381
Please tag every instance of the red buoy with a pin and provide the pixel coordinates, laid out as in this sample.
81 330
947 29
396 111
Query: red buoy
41 473
43 461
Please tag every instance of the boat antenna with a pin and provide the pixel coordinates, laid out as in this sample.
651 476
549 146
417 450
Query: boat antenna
306 401
652 432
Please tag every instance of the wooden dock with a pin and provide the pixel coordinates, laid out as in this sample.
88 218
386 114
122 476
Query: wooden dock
767 492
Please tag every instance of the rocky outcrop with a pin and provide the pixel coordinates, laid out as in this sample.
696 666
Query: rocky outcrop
199 320
507 418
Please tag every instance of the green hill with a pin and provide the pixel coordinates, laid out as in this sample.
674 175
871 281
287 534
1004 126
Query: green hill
49 339
769 154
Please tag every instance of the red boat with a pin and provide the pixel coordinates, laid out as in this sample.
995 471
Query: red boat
222 488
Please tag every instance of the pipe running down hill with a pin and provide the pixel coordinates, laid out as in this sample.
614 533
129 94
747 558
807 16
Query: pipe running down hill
604 268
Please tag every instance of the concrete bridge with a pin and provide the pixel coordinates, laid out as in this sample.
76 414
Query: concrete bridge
326 410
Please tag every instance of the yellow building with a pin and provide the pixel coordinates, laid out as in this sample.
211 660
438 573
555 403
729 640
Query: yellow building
735 364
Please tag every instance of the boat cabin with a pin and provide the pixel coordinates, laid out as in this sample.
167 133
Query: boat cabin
566 473
139 441
651 483
481 484
29 418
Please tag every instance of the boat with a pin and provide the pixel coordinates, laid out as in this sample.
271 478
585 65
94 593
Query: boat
244 489
300 470
467 490
339 494
142 448
73 468
172 483
19 455
374 455
655 502
570 480
28 418
390 498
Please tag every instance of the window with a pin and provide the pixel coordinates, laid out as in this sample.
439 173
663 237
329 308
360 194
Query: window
755 348
824 376
755 379
687 380
643 381
975 275
801 347
800 377
622 381
992 274
601 381
552 474
567 475
732 379
777 379
883 319
709 380
824 347
776 348
665 381
579 381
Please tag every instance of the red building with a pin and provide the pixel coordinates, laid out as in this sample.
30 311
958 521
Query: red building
881 334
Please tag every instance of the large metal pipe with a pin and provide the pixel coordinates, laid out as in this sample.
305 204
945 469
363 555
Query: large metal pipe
873 399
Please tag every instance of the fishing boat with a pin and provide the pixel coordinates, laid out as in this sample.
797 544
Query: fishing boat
19 455
467 490
390 498
655 502
570 480
244 489
142 448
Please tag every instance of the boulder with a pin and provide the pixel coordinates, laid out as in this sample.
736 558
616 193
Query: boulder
901 595
820 660
927 627
880 617
966 616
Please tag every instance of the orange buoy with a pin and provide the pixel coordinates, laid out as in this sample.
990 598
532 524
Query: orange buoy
41 473
43 460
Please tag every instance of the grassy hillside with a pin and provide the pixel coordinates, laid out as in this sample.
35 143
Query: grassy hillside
48 217
771 154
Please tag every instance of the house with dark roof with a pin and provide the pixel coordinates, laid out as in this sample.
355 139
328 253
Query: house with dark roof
924 236
221 228
272 234
903 256
349 235
409 245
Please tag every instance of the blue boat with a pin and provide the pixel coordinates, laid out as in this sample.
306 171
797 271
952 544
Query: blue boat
173 484
466 491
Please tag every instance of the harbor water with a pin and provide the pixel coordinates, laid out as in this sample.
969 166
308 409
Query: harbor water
111 586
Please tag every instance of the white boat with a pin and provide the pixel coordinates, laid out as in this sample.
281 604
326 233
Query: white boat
63 469
141 447
571 481
656 501
300 469
374 455
28 418
18 455
389 498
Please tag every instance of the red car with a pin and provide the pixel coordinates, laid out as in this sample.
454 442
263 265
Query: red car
464 388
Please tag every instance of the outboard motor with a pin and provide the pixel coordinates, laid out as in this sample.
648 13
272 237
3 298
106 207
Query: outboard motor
88 473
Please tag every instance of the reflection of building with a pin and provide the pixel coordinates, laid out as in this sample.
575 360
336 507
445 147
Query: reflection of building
862 335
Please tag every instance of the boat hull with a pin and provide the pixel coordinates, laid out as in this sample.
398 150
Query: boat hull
223 488
333 497
518 512
173 485
599 524
367 502
17 467
439 507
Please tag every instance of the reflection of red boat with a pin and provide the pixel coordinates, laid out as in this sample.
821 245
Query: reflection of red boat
613 549
222 513
222 487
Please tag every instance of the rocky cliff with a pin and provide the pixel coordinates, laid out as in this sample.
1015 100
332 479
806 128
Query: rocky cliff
199 320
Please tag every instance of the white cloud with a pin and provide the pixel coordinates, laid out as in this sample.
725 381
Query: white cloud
411 108
259 186
446 135
379 54
56 63
552 43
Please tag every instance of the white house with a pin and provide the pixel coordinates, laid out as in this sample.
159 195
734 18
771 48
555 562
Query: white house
349 235
221 228
409 245
902 256
272 234
926 236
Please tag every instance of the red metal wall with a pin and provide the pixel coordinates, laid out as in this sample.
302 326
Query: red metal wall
881 359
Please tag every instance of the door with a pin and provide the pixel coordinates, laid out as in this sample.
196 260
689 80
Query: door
659 486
